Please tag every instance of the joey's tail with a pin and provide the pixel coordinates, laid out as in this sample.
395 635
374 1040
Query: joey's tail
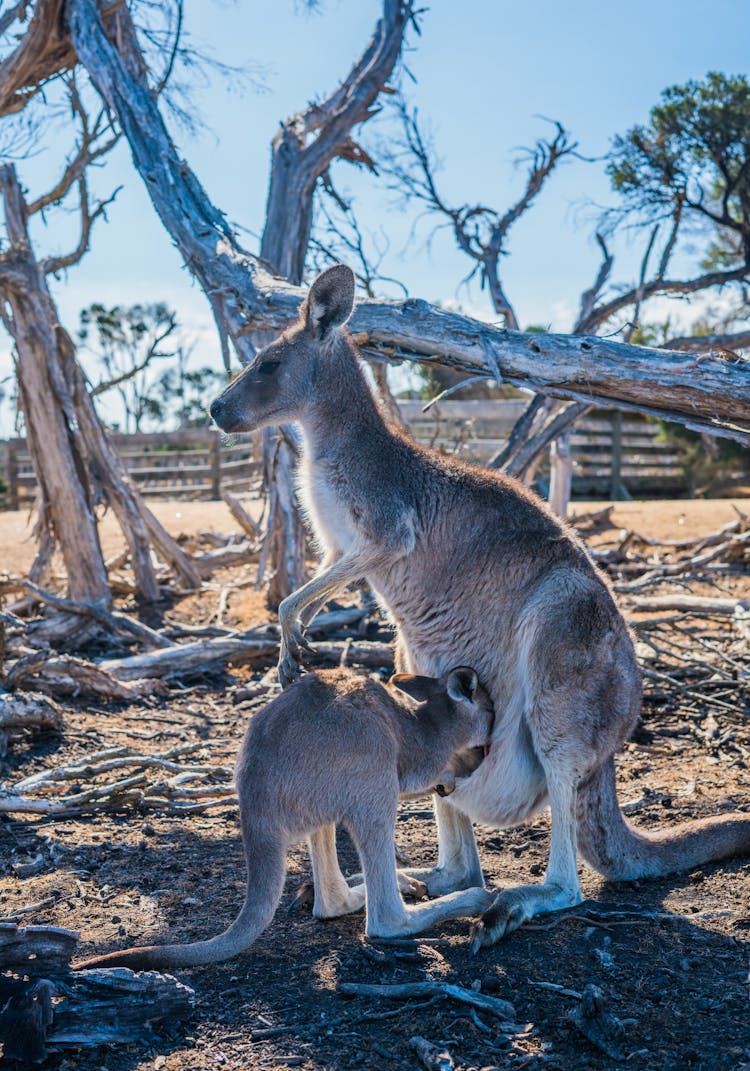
266 863
620 852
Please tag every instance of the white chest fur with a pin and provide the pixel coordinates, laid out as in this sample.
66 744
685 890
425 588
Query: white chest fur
326 512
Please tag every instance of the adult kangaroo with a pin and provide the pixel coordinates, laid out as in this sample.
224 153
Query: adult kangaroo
337 747
473 569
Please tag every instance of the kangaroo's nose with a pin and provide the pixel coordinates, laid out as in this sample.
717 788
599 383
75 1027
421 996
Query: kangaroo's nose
216 409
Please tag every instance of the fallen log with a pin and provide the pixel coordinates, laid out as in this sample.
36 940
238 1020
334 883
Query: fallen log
46 1007
706 606
27 712
65 675
223 557
182 659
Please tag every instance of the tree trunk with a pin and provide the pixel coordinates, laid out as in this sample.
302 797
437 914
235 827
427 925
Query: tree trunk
48 411
283 554
59 410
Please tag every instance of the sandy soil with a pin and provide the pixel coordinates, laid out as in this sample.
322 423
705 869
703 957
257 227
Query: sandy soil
676 972
678 519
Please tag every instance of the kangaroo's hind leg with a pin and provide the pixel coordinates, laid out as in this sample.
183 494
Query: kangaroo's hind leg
387 914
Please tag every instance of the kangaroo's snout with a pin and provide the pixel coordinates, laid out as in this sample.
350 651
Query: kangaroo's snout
216 409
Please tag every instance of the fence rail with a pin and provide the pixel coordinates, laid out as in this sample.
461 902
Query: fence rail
614 454
194 463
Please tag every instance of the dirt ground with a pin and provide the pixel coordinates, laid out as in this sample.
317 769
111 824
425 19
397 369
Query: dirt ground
675 970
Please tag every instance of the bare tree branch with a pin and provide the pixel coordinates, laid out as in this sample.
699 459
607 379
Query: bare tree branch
43 51
85 153
480 232
50 265
700 391
739 340
308 141
589 297
707 281
151 354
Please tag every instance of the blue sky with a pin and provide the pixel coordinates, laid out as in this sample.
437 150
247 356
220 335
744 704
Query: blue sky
485 71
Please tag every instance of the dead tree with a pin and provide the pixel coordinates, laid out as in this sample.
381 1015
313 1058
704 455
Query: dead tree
247 297
302 151
482 234
75 463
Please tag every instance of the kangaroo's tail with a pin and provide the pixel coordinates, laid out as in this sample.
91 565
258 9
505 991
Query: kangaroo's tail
620 852
266 862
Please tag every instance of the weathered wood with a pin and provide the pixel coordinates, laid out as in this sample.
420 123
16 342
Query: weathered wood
27 712
701 391
48 411
37 950
65 675
502 1009
241 516
191 657
45 1007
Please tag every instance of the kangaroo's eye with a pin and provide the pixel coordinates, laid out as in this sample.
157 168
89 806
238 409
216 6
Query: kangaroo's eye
268 367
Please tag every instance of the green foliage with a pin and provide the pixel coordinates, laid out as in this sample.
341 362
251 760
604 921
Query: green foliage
693 155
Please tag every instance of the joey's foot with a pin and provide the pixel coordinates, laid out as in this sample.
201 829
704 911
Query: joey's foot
513 907
337 902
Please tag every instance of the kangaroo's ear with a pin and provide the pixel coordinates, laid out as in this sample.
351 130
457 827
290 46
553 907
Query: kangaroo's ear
419 688
330 301
461 684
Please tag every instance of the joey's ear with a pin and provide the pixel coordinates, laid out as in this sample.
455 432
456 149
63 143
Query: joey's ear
461 684
330 301
419 688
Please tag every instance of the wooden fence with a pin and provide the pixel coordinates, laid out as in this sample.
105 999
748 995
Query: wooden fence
194 463
614 454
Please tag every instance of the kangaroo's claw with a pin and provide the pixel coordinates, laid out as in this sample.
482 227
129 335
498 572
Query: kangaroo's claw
289 667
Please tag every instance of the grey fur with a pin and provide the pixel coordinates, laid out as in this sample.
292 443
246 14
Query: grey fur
472 568
340 748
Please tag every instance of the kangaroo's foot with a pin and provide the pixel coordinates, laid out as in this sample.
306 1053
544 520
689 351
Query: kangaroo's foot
458 865
407 884
419 917
441 880
513 907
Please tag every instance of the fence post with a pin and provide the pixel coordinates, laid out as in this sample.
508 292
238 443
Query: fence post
214 462
12 474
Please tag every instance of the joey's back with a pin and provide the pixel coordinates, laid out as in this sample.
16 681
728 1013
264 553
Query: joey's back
334 724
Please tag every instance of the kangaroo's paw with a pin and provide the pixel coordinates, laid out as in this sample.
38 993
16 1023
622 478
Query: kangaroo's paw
440 881
408 885
304 897
513 907
293 644
339 901
289 668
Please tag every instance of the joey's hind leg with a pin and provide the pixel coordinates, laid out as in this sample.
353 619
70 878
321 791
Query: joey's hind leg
387 914
333 896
